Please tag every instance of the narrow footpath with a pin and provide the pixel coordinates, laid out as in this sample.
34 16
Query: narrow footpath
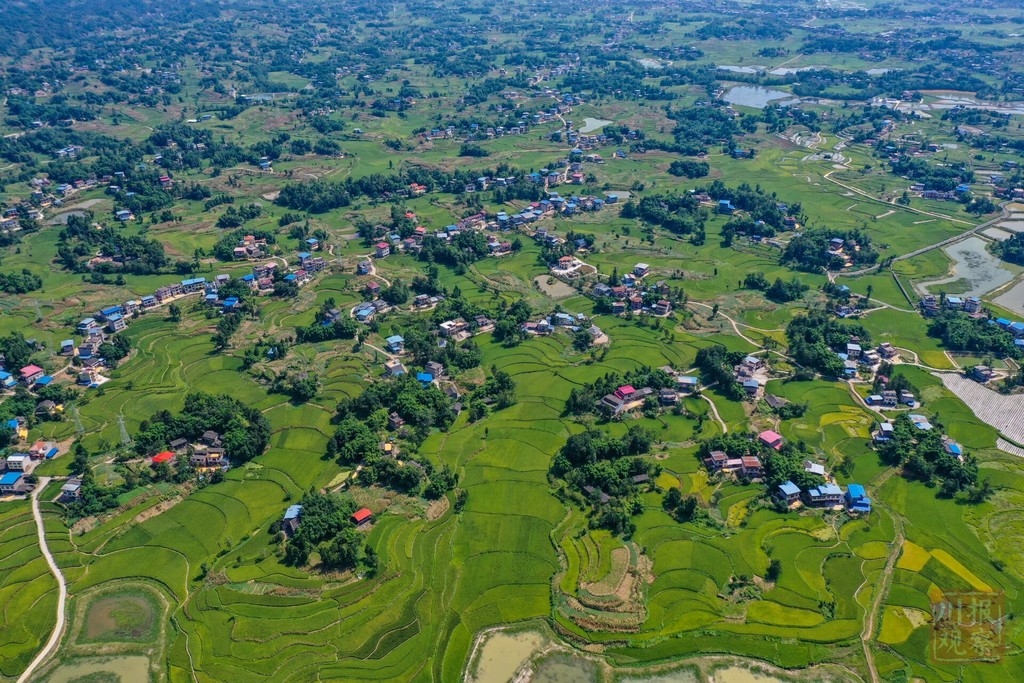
62 588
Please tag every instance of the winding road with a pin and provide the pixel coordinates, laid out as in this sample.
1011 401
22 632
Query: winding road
62 587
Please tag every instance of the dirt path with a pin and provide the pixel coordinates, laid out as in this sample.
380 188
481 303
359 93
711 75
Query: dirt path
718 418
732 322
62 588
882 588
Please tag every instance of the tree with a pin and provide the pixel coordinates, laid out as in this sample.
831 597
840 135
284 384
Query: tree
774 571
174 313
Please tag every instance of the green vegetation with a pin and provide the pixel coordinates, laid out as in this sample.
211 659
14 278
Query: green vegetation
499 495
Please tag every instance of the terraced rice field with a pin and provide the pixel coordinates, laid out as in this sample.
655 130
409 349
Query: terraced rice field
28 591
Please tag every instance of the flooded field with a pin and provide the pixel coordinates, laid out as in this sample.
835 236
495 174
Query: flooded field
565 668
591 124
757 96
1012 299
133 669
502 654
737 674
121 617
973 264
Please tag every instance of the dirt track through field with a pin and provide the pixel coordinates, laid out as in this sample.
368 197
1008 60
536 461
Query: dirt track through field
62 588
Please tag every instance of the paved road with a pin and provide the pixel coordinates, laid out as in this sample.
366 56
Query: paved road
62 587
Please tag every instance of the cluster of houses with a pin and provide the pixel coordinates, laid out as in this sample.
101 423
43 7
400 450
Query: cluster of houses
563 321
931 305
207 453
632 296
626 398
854 499
16 467
842 249
752 374
827 495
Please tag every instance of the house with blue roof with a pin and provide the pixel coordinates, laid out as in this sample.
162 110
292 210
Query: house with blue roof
725 207
857 499
825 495
13 482
7 380
44 381
313 243
396 344
109 311
364 313
116 322
1003 322
1017 328
954 449
424 378
788 491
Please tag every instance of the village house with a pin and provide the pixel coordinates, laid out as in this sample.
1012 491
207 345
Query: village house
788 492
362 516
771 439
826 495
857 499
716 460
434 369
290 521
750 467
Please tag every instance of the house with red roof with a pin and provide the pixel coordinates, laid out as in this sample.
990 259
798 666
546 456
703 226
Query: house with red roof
362 516
625 391
771 439
30 373
163 456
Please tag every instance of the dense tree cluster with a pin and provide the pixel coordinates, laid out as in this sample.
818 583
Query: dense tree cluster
79 241
923 457
816 338
681 215
607 464
244 431
326 529
1011 249
688 168
716 364
779 291
960 332
422 408
809 251
20 283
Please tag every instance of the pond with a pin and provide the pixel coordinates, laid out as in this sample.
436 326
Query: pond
757 96
739 69
972 263
134 669
737 674
592 124
502 654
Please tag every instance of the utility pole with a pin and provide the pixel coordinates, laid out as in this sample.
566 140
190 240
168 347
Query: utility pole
126 440
79 429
